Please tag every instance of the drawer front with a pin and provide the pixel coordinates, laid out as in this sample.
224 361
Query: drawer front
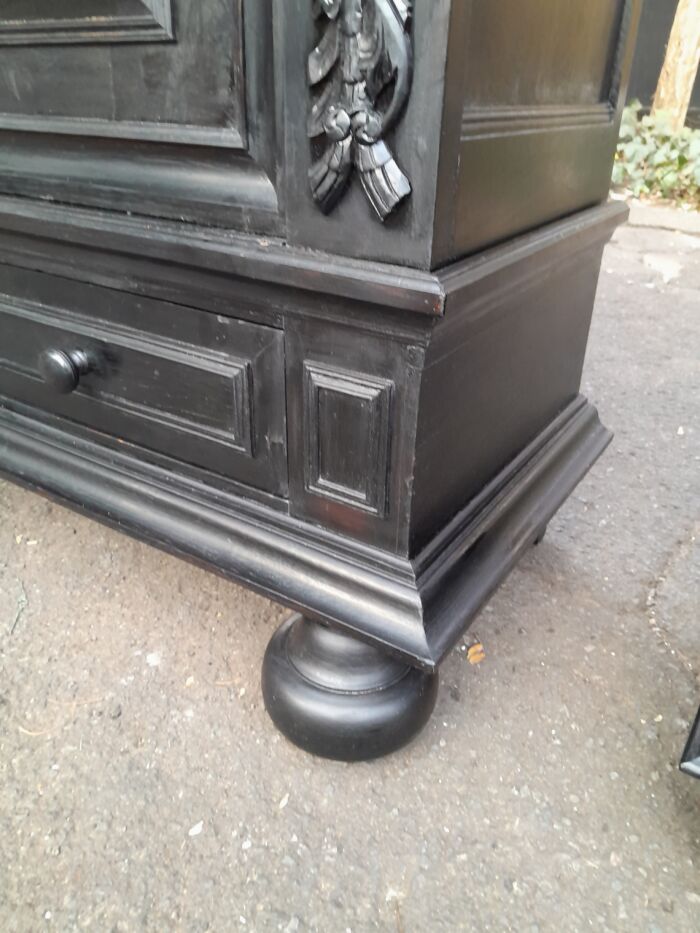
205 389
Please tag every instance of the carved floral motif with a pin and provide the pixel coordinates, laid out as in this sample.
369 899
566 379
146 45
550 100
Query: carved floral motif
360 73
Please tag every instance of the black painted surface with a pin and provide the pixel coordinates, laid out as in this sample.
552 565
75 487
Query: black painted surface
558 54
538 137
417 608
181 128
340 698
192 350
356 485
503 121
472 418
191 82
512 122
207 390
85 22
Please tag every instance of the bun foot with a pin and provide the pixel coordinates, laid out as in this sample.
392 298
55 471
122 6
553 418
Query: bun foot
338 697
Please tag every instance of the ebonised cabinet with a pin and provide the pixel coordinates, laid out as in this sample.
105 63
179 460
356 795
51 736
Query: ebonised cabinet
302 290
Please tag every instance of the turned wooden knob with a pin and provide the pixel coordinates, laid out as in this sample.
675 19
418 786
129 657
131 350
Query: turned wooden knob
62 369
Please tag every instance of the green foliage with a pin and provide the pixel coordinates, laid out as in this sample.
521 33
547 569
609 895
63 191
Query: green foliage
652 161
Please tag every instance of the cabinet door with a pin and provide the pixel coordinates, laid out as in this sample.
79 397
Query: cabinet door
141 105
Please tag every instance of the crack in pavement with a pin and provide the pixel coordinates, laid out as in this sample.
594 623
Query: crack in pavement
678 553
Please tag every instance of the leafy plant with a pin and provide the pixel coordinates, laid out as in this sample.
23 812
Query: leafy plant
652 161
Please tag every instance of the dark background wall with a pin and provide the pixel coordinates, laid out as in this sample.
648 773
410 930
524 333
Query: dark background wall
654 30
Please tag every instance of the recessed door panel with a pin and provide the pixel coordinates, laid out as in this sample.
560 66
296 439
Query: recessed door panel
33 22
141 105
185 74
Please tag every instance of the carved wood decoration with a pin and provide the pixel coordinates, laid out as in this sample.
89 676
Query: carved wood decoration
360 74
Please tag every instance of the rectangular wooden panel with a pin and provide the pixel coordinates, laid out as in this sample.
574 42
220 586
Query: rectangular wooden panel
205 389
163 384
346 427
542 96
134 90
39 22
158 128
504 362
525 53
351 401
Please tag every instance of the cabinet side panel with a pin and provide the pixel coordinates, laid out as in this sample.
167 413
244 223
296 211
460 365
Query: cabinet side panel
497 372
527 53
544 86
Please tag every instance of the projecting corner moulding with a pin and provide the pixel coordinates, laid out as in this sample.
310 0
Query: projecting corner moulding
360 78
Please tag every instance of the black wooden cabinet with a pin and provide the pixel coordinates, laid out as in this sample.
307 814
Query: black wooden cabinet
302 290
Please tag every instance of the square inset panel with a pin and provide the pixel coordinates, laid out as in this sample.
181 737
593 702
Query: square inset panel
347 436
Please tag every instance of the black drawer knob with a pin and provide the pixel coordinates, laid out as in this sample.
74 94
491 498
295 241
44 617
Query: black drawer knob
62 369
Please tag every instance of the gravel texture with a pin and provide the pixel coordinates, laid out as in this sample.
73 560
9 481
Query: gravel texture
142 786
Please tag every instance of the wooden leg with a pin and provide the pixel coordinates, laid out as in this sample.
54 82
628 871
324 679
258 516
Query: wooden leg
338 697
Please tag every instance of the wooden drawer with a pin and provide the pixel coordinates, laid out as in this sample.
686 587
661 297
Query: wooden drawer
205 389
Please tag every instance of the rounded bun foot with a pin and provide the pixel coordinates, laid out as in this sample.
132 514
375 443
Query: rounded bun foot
338 697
